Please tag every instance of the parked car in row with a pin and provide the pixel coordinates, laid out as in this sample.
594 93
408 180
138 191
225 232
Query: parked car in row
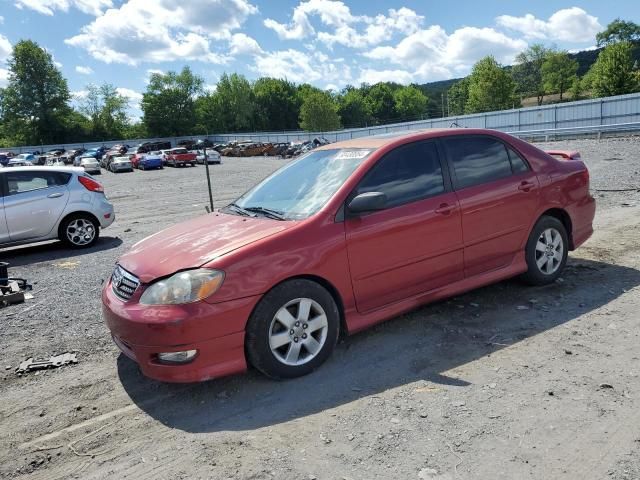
344 237
90 165
148 147
147 161
212 157
120 164
180 157
44 203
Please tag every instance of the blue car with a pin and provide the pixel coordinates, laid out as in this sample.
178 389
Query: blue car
148 161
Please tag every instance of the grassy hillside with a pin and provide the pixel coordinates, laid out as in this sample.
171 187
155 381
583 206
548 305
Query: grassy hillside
435 90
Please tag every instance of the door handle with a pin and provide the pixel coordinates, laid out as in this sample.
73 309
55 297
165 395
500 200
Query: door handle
445 209
526 186
55 195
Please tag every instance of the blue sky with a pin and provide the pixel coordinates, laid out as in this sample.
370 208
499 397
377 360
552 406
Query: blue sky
324 42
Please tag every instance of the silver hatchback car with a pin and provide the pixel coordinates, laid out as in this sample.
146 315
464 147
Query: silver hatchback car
44 203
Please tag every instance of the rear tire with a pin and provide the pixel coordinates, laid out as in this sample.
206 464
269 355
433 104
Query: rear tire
293 329
546 251
79 230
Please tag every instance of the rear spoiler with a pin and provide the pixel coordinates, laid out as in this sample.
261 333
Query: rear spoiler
565 154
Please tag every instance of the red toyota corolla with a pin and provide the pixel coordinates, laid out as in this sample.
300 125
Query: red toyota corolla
340 239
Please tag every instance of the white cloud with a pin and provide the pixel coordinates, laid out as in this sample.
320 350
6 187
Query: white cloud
58 64
159 31
4 77
1 19
372 76
79 94
130 94
343 24
567 25
5 48
84 70
48 7
241 44
431 54
301 67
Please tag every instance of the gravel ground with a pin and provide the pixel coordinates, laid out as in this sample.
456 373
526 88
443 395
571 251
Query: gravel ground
504 382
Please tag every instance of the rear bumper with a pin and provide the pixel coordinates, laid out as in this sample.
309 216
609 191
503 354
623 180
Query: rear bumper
583 227
216 331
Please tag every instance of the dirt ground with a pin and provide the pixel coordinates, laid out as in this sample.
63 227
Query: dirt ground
505 382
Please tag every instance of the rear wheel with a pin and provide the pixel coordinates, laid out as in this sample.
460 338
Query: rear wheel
546 251
293 330
79 230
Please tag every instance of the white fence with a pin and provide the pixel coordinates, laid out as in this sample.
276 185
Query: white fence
602 115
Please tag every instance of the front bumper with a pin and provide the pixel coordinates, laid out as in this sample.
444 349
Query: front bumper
216 331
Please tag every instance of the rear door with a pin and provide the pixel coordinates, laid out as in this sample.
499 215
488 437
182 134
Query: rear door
415 244
498 195
34 202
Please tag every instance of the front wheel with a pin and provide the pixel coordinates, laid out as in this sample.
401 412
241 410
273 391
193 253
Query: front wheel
293 330
79 231
546 251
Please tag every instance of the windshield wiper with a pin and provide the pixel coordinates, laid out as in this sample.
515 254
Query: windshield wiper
268 212
239 210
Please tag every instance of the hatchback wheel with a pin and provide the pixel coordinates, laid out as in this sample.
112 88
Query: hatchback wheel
546 251
293 330
79 231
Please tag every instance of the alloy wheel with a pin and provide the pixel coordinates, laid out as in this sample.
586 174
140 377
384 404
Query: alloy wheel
549 251
81 232
298 331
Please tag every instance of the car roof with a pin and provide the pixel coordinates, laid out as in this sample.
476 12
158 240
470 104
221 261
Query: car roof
47 168
377 141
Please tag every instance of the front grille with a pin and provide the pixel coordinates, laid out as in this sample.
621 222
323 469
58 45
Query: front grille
123 283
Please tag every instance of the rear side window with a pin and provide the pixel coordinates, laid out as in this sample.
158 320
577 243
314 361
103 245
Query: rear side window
477 160
518 165
21 182
406 174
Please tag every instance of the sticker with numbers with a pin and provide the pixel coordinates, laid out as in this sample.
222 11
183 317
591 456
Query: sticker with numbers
352 154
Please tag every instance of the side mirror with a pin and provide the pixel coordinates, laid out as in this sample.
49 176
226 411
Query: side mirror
368 202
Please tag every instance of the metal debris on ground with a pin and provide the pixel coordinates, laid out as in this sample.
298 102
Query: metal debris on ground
56 361
11 289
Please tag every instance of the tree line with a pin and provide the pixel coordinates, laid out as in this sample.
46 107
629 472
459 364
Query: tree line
36 106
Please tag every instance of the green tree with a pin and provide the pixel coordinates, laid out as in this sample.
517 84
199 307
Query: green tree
410 102
319 112
236 102
381 103
613 72
277 104
35 102
353 109
107 112
527 72
619 31
169 103
490 87
209 114
457 96
559 71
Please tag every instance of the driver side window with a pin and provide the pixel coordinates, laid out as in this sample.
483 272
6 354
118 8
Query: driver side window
406 174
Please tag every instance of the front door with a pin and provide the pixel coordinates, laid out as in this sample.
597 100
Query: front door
415 244
33 202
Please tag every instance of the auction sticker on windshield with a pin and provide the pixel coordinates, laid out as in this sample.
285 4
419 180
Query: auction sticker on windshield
352 154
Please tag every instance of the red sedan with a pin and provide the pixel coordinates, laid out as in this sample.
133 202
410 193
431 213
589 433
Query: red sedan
342 238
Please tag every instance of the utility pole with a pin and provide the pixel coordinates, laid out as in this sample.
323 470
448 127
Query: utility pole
206 167
442 103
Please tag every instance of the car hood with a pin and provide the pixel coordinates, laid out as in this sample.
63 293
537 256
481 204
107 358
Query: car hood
195 242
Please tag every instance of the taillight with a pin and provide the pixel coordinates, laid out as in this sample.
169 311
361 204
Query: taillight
90 184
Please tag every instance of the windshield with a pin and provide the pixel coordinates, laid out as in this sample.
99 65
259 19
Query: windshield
302 187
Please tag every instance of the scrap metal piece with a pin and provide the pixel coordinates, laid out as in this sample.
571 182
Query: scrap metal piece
55 361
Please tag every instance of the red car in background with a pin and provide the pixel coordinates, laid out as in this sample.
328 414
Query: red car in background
179 157
342 238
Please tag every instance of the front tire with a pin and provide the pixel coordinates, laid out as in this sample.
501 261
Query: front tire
546 251
79 230
293 330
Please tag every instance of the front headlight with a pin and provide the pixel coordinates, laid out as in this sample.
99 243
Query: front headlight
183 287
